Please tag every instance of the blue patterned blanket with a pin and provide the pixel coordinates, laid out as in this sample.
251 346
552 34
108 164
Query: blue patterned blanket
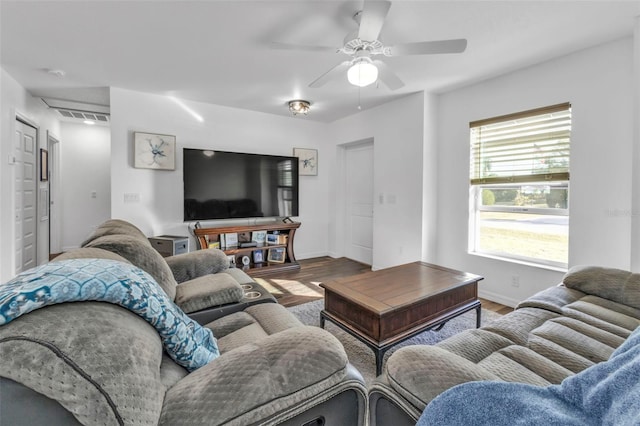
607 393
103 280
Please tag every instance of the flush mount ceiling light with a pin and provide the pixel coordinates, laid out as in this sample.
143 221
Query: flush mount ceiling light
362 72
299 106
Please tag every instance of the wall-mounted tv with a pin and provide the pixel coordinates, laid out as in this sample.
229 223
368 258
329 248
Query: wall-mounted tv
226 185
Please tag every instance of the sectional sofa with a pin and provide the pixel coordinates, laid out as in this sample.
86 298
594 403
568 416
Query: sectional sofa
554 335
96 363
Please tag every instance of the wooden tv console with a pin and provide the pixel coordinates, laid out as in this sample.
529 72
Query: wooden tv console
205 236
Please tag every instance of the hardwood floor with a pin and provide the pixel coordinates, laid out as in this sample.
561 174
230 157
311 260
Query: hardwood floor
292 288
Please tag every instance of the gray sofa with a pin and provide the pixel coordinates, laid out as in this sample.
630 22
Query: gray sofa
96 363
553 335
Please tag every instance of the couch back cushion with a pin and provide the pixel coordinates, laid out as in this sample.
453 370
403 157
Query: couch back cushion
608 283
98 360
141 254
115 227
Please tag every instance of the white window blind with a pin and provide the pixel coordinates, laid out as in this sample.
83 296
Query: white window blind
285 173
530 146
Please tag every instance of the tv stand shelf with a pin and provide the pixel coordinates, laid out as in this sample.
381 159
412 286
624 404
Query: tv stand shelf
206 235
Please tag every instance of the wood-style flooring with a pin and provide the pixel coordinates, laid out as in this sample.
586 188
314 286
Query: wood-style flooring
292 288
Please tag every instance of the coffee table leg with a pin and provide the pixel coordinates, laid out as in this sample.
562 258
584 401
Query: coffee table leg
321 319
478 315
379 357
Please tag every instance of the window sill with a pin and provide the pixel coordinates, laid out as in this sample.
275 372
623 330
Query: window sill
520 262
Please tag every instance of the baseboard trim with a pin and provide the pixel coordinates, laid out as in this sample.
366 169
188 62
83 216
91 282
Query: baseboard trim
301 256
494 297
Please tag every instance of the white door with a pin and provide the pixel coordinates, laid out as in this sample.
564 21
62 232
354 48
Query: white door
359 202
25 147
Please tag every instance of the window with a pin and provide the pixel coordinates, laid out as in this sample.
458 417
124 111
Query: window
520 186
285 187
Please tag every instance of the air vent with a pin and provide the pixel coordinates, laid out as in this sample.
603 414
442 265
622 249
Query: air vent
76 111
104 118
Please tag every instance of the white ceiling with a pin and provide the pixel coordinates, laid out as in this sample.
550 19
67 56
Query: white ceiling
219 51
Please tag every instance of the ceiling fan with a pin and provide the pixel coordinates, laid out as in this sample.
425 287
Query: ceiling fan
363 44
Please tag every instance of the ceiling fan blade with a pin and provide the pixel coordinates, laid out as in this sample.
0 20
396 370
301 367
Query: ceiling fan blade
372 19
286 46
429 47
334 72
388 77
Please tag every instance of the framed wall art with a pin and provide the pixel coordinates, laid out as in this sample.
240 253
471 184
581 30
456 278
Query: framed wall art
307 161
154 151
44 165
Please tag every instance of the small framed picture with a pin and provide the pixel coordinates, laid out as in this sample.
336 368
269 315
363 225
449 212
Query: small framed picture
276 255
257 256
153 151
259 237
232 261
307 161
231 240
272 238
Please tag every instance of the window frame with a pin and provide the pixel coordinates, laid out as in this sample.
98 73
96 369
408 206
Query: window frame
477 185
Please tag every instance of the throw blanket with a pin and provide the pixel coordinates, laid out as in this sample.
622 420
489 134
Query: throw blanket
607 393
103 280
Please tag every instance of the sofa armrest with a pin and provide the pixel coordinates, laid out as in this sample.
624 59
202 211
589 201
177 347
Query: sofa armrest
259 379
195 264
208 291
420 373
612 284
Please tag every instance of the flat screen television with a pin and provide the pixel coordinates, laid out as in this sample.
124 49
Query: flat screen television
226 185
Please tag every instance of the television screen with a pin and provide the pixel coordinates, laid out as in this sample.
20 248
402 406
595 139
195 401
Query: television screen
225 185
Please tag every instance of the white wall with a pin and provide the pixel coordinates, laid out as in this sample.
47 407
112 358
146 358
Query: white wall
398 136
160 210
598 82
635 216
14 99
85 166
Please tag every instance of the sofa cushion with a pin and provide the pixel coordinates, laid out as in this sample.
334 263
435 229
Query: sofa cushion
254 323
552 299
207 291
141 255
530 367
609 283
105 380
115 227
606 394
188 266
90 253
105 280
258 380
420 373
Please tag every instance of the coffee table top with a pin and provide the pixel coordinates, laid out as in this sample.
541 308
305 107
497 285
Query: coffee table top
393 288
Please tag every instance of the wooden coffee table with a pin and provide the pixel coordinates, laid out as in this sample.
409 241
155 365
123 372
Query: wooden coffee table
385 307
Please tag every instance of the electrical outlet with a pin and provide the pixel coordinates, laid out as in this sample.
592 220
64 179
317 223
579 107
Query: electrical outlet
515 281
131 197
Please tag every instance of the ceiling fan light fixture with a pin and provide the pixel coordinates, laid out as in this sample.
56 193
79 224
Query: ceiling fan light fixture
299 106
362 73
